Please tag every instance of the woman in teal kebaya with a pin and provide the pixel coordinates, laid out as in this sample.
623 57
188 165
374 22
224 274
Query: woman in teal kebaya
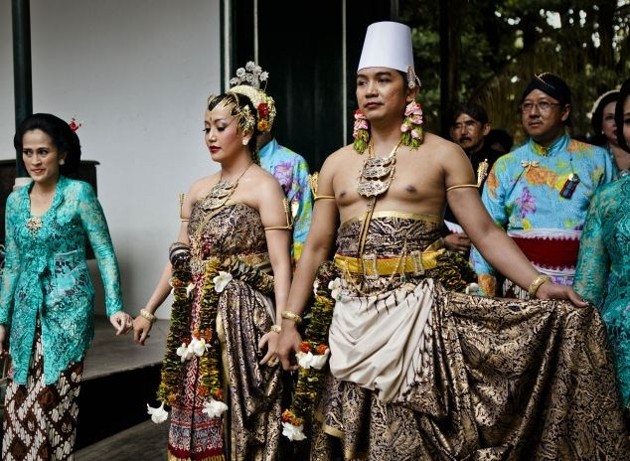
603 271
47 297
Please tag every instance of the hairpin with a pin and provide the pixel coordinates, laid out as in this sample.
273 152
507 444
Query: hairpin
252 75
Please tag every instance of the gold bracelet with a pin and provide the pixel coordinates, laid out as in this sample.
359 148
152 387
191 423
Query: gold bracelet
535 285
276 329
292 316
147 315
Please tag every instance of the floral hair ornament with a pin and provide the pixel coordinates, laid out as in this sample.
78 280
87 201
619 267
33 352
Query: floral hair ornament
75 124
251 81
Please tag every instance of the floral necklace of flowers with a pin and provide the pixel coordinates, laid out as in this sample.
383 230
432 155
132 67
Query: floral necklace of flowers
203 343
313 355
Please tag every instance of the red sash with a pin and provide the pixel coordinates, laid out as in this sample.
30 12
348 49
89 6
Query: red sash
550 252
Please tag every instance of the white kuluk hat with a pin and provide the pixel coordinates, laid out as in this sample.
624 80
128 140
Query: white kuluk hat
388 44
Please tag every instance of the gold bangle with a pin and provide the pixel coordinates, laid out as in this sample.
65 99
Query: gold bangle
276 329
288 315
147 315
535 285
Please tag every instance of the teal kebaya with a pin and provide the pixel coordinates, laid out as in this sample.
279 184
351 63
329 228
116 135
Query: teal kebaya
46 277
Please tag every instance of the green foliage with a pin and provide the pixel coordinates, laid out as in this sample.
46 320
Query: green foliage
495 47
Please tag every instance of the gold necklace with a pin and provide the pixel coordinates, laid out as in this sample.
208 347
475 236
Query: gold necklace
377 173
222 191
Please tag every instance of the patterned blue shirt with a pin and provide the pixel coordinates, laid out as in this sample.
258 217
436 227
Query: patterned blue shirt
292 171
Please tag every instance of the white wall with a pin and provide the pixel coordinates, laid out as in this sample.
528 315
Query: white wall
137 74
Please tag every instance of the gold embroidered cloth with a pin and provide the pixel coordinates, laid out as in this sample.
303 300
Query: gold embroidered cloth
508 380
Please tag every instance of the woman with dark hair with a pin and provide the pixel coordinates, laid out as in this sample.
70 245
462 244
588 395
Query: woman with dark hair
605 129
47 297
220 376
603 271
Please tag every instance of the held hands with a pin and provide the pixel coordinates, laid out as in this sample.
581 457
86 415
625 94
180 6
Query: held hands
458 242
288 345
142 326
122 322
270 341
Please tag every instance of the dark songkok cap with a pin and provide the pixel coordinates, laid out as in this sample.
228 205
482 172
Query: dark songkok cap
550 84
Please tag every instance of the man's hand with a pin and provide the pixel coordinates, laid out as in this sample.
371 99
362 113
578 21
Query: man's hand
457 242
289 345
550 290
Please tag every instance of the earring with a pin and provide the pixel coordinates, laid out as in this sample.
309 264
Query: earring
245 142
360 131
62 162
411 128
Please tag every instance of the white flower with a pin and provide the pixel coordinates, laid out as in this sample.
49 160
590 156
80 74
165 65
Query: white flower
189 289
221 281
240 72
158 415
264 76
184 352
233 81
309 360
315 287
214 408
250 65
293 432
198 347
335 288
257 70
472 289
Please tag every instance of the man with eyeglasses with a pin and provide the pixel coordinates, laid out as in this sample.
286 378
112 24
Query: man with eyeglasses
469 127
541 191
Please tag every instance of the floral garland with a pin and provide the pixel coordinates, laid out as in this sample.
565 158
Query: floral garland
313 355
204 342
412 133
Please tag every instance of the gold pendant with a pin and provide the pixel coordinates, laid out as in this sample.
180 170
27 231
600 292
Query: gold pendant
376 175
219 195
33 224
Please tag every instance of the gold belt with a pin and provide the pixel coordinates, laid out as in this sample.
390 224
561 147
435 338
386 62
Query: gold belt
370 266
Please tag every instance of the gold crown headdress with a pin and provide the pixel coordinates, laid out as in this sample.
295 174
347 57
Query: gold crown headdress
248 82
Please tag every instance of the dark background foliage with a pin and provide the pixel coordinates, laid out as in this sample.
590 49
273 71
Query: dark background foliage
495 47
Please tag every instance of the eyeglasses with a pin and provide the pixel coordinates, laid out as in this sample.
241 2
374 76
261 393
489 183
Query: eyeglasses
542 106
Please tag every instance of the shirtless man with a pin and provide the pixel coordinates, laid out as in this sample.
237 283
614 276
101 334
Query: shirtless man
389 339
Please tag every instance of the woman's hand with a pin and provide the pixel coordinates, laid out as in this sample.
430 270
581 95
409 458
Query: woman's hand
289 345
141 329
122 322
269 341
549 290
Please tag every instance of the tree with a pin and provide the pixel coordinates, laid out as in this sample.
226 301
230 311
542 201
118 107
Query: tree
497 46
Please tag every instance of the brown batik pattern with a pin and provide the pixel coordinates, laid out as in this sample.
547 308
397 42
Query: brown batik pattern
40 421
511 380
254 391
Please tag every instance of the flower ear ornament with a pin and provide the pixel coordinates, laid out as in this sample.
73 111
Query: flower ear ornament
411 128
360 132
412 133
